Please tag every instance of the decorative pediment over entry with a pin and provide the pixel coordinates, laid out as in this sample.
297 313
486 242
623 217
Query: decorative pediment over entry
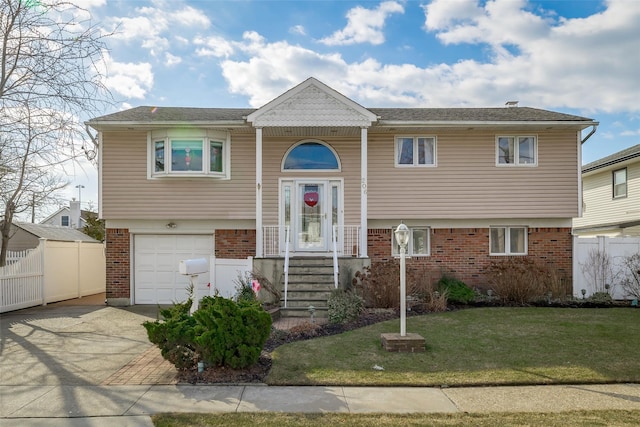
312 103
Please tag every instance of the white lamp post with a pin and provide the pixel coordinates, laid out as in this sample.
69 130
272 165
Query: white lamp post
402 237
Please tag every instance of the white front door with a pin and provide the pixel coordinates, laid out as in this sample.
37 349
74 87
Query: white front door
311 208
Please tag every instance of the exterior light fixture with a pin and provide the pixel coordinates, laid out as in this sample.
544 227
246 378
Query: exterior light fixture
402 237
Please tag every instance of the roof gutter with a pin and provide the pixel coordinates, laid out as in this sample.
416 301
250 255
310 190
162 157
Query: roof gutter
594 127
481 123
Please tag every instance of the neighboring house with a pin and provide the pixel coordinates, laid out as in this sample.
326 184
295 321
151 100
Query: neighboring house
474 185
611 196
68 216
25 235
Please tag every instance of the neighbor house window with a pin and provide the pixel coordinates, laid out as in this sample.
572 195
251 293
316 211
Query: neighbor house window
418 242
190 154
64 220
508 240
620 183
415 151
516 150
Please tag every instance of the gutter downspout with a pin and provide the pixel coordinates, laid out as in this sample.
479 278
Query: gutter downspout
593 130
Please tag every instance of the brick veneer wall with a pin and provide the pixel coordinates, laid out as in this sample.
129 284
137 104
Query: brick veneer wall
235 244
464 252
118 263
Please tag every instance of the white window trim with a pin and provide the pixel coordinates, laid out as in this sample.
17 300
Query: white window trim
613 184
507 237
395 249
415 151
317 141
516 154
206 135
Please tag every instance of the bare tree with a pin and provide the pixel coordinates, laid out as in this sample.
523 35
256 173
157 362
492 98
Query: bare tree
50 79
631 283
600 271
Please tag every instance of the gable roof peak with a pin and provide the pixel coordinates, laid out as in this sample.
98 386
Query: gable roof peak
312 103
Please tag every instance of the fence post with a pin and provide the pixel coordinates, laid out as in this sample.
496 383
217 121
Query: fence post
78 275
43 278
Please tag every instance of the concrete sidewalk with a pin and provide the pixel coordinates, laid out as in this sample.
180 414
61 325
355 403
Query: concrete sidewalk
132 405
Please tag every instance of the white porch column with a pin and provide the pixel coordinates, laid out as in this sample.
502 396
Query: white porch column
259 236
363 192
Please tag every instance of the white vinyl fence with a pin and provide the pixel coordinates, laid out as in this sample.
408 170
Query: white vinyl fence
616 248
54 271
224 274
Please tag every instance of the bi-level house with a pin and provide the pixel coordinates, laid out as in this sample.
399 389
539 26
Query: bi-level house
611 196
313 175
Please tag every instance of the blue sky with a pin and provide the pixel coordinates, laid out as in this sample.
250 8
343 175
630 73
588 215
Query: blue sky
579 57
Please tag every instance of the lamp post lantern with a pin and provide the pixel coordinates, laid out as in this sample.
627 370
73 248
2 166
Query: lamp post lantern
402 237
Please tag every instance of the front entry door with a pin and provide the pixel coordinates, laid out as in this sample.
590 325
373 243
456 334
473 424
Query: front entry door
310 208
312 231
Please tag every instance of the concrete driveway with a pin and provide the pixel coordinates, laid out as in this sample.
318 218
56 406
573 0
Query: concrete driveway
78 342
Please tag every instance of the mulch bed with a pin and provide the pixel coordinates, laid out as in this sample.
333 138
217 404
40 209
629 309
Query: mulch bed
259 372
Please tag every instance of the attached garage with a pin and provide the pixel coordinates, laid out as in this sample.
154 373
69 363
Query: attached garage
156 259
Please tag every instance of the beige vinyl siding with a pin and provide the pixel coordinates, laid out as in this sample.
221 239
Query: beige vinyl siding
348 150
467 183
128 194
600 206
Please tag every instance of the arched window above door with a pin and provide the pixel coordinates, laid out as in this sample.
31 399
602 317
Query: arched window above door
311 155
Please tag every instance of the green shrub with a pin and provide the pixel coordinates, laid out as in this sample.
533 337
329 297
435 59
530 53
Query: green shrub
456 290
229 333
244 291
600 298
344 306
220 333
174 335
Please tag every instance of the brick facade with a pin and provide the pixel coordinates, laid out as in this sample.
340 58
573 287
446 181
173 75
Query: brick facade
118 263
464 252
235 244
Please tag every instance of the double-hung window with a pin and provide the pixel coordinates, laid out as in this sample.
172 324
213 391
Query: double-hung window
418 242
516 150
620 183
415 151
508 240
189 154
64 220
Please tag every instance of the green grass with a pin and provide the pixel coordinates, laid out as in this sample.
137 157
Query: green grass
560 419
483 346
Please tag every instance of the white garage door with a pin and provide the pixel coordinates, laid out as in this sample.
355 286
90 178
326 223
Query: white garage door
156 259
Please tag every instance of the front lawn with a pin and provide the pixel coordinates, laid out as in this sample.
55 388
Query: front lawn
270 419
482 346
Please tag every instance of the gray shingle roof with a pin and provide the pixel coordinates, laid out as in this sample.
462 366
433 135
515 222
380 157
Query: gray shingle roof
149 114
620 156
55 232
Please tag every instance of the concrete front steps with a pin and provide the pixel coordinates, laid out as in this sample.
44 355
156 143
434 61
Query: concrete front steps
310 284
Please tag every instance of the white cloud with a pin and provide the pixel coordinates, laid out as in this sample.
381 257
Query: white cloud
154 27
171 60
630 133
88 4
298 30
364 25
214 46
585 64
132 80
